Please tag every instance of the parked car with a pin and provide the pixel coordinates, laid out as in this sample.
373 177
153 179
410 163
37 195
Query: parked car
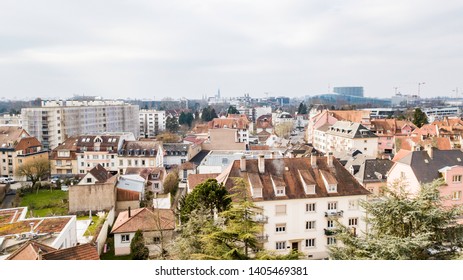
64 188
6 180
54 180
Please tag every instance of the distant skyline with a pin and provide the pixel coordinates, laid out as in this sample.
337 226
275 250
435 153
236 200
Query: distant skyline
157 49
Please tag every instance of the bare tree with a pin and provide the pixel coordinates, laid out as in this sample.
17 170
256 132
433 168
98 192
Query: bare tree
34 170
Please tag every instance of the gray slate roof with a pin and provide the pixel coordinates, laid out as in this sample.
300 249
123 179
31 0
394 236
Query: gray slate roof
426 169
350 130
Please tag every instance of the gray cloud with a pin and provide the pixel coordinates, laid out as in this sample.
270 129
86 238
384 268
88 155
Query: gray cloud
149 49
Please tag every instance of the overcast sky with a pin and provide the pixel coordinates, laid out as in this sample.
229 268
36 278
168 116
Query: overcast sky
156 49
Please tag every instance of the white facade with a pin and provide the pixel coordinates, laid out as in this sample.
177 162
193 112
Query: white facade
52 123
303 229
152 122
368 146
122 243
319 139
345 136
68 236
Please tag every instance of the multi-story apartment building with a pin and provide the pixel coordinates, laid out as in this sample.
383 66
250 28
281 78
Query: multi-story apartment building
100 149
63 159
345 136
55 121
152 122
80 154
17 147
145 153
301 199
10 119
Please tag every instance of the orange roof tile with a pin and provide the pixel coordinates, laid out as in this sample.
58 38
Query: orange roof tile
79 252
145 220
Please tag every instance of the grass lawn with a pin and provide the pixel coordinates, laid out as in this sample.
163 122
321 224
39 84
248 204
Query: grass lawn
93 227
46 203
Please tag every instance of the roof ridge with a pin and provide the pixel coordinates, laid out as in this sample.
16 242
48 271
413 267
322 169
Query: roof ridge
130 218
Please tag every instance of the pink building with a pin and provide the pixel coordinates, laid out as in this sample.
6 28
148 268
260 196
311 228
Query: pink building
387 130
413 168
318 121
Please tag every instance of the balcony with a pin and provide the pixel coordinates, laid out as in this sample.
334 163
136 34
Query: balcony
329 232
261 219
262 238
334 213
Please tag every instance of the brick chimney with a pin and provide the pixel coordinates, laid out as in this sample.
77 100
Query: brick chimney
313 161
243 163
329 159
261 164
430 151
130 212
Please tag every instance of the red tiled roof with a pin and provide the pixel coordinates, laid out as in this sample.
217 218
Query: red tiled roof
79 252
235 122
145 220
287 170
401 154
30 251
27 142
100 173
11 134
196 179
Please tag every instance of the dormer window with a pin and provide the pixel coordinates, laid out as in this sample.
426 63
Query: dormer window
331 184
332 188
279 186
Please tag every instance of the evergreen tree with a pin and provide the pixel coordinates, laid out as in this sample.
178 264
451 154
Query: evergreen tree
238 234
210 194
232 110
182 118
137 247
419 118
189 244
172 124
404 227
302 110
213 114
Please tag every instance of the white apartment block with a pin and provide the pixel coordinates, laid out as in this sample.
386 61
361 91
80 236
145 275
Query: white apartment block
55 121
152 122
100 149
301 199
345 136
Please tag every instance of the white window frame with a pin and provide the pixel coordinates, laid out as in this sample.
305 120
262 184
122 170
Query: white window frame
353 222
456 195
280 245
330 240
310 207
280 228
310 243
310 225
333 205
125 238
